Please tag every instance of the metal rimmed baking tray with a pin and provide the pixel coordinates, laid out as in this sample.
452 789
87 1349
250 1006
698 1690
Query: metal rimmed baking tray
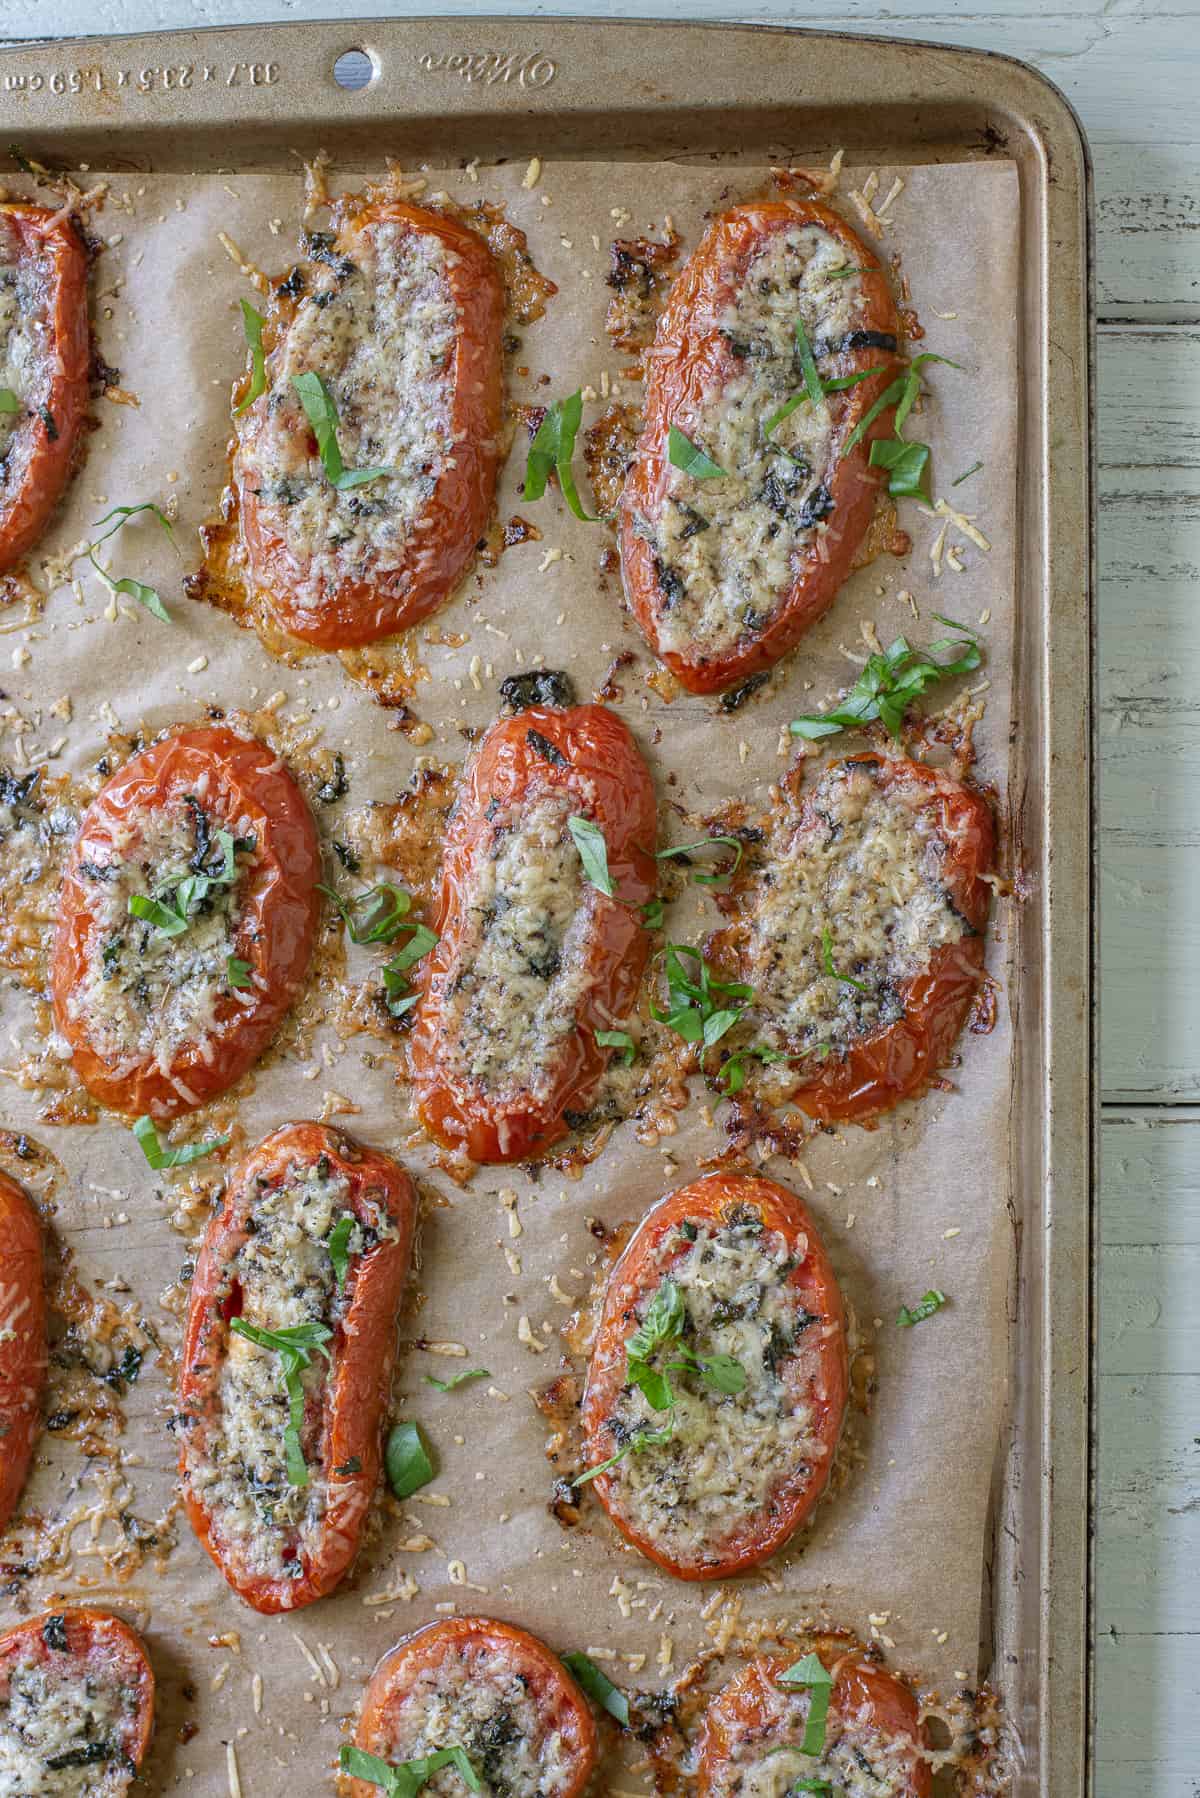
450 90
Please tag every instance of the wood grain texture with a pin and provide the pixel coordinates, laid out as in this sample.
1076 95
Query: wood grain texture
1129 68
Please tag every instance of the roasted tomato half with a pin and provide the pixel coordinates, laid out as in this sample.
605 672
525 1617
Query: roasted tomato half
863 937
490 1689
756 1737
287 1361
186 921
729 559
45 351
533 958
76 1705
715 1418
400 315
22 1340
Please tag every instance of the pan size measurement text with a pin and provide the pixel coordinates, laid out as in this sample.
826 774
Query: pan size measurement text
150 79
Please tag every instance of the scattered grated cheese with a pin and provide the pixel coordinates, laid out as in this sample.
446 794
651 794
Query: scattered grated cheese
526 1335
406 1591
235 1778
508 1199
533 173
317 1670
893 193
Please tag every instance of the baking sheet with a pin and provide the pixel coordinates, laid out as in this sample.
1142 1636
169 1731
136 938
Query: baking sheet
899 1552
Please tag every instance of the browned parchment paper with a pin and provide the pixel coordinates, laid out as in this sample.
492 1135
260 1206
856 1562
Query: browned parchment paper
900 1551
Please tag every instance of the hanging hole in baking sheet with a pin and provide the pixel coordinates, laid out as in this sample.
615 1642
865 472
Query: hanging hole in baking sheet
354 70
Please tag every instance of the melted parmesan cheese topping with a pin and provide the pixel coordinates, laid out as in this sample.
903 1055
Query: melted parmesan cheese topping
727 551
26 349
514 993
479 1698
62 1729
282 1275
728 1453
869 875
766 1756
148 995
381 334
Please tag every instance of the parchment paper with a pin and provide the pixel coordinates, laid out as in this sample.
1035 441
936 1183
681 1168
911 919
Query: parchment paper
899 1552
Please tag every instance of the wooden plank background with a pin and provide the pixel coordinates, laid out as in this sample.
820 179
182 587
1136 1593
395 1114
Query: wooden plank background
1130 69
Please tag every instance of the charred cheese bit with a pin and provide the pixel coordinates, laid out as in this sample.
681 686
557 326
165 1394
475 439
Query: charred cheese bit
148 994
521 972
728 1452
62 1729
870 877
28 830
381 333
480 1698
26 348
766 1759
726 551
282 1275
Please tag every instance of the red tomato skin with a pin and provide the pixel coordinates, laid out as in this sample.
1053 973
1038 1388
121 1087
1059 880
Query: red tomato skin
548 1680
95 1639
278 918
858 1685
442 544
615 789
706 1201
895 1063
23 1348
363 1354
689 359
24 517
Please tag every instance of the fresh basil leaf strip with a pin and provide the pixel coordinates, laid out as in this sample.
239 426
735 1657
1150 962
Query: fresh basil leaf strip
153 911
808 362
811 1673
907 464
321 412
337 1243
404 1779
683 453
295 1347
618 1039
457 1379
699 1009
734 1069
159 1157
8 400
598 1686
887 686
707 880
237 972
374 916
123 514
663 1322
722 1372
830 969
652 913
408 1459
933 1301
252 326
131 589
553 447
966 474
893 392
639 1441
590 841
